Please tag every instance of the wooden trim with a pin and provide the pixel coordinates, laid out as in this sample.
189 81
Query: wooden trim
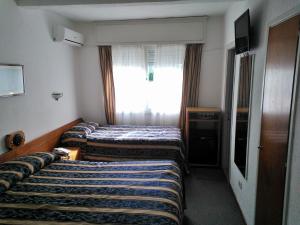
44 143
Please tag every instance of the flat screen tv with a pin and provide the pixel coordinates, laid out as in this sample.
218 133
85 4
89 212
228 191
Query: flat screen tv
11 80
242 33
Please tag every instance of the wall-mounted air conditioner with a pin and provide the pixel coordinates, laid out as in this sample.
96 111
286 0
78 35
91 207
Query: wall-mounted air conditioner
63 34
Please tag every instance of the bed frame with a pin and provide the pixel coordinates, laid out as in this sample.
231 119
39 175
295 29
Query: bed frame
44 143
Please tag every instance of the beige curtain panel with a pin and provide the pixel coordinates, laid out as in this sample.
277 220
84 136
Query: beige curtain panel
105 57
191 77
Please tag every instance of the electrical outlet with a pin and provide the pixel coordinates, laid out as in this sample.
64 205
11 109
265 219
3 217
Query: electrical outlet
240 185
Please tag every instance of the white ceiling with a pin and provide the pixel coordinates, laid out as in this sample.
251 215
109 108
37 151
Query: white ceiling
145 10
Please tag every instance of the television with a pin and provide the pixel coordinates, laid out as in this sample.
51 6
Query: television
242 33
11 80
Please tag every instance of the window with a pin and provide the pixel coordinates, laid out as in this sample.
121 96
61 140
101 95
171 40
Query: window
148 83
150 62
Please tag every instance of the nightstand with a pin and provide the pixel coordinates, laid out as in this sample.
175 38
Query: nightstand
203 132
74 153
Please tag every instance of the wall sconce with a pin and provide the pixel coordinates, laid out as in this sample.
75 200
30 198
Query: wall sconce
57 95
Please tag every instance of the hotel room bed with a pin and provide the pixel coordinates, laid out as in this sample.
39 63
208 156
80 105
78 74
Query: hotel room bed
81 192
120 143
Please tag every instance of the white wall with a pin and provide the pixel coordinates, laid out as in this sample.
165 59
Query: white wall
25 38
91 88
212 64
91 83
293 194
262 13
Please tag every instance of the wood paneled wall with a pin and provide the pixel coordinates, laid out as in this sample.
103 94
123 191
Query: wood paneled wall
44 143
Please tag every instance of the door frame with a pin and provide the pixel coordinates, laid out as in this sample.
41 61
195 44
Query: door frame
277 20
226 137
291 137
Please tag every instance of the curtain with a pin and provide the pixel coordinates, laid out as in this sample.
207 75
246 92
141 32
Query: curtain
191 77
141 100
129 77
105 57
165 97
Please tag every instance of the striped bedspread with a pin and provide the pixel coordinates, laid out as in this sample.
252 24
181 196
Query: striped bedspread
80 192
120 143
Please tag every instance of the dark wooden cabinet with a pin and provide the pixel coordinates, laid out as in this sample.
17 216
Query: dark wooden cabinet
202 136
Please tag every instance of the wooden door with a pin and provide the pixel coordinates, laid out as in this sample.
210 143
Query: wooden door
278 93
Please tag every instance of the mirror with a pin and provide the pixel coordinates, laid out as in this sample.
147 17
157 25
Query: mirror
242 113
11 80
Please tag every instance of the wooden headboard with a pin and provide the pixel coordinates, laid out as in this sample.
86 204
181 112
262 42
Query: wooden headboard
44 143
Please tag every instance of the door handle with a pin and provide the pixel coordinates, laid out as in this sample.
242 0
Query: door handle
260 147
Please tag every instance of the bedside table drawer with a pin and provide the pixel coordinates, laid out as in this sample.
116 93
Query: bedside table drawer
73 155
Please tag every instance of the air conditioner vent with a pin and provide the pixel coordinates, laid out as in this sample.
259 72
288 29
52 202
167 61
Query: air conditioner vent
63 34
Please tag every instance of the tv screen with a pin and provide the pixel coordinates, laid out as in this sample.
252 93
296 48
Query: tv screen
242 33
11 80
